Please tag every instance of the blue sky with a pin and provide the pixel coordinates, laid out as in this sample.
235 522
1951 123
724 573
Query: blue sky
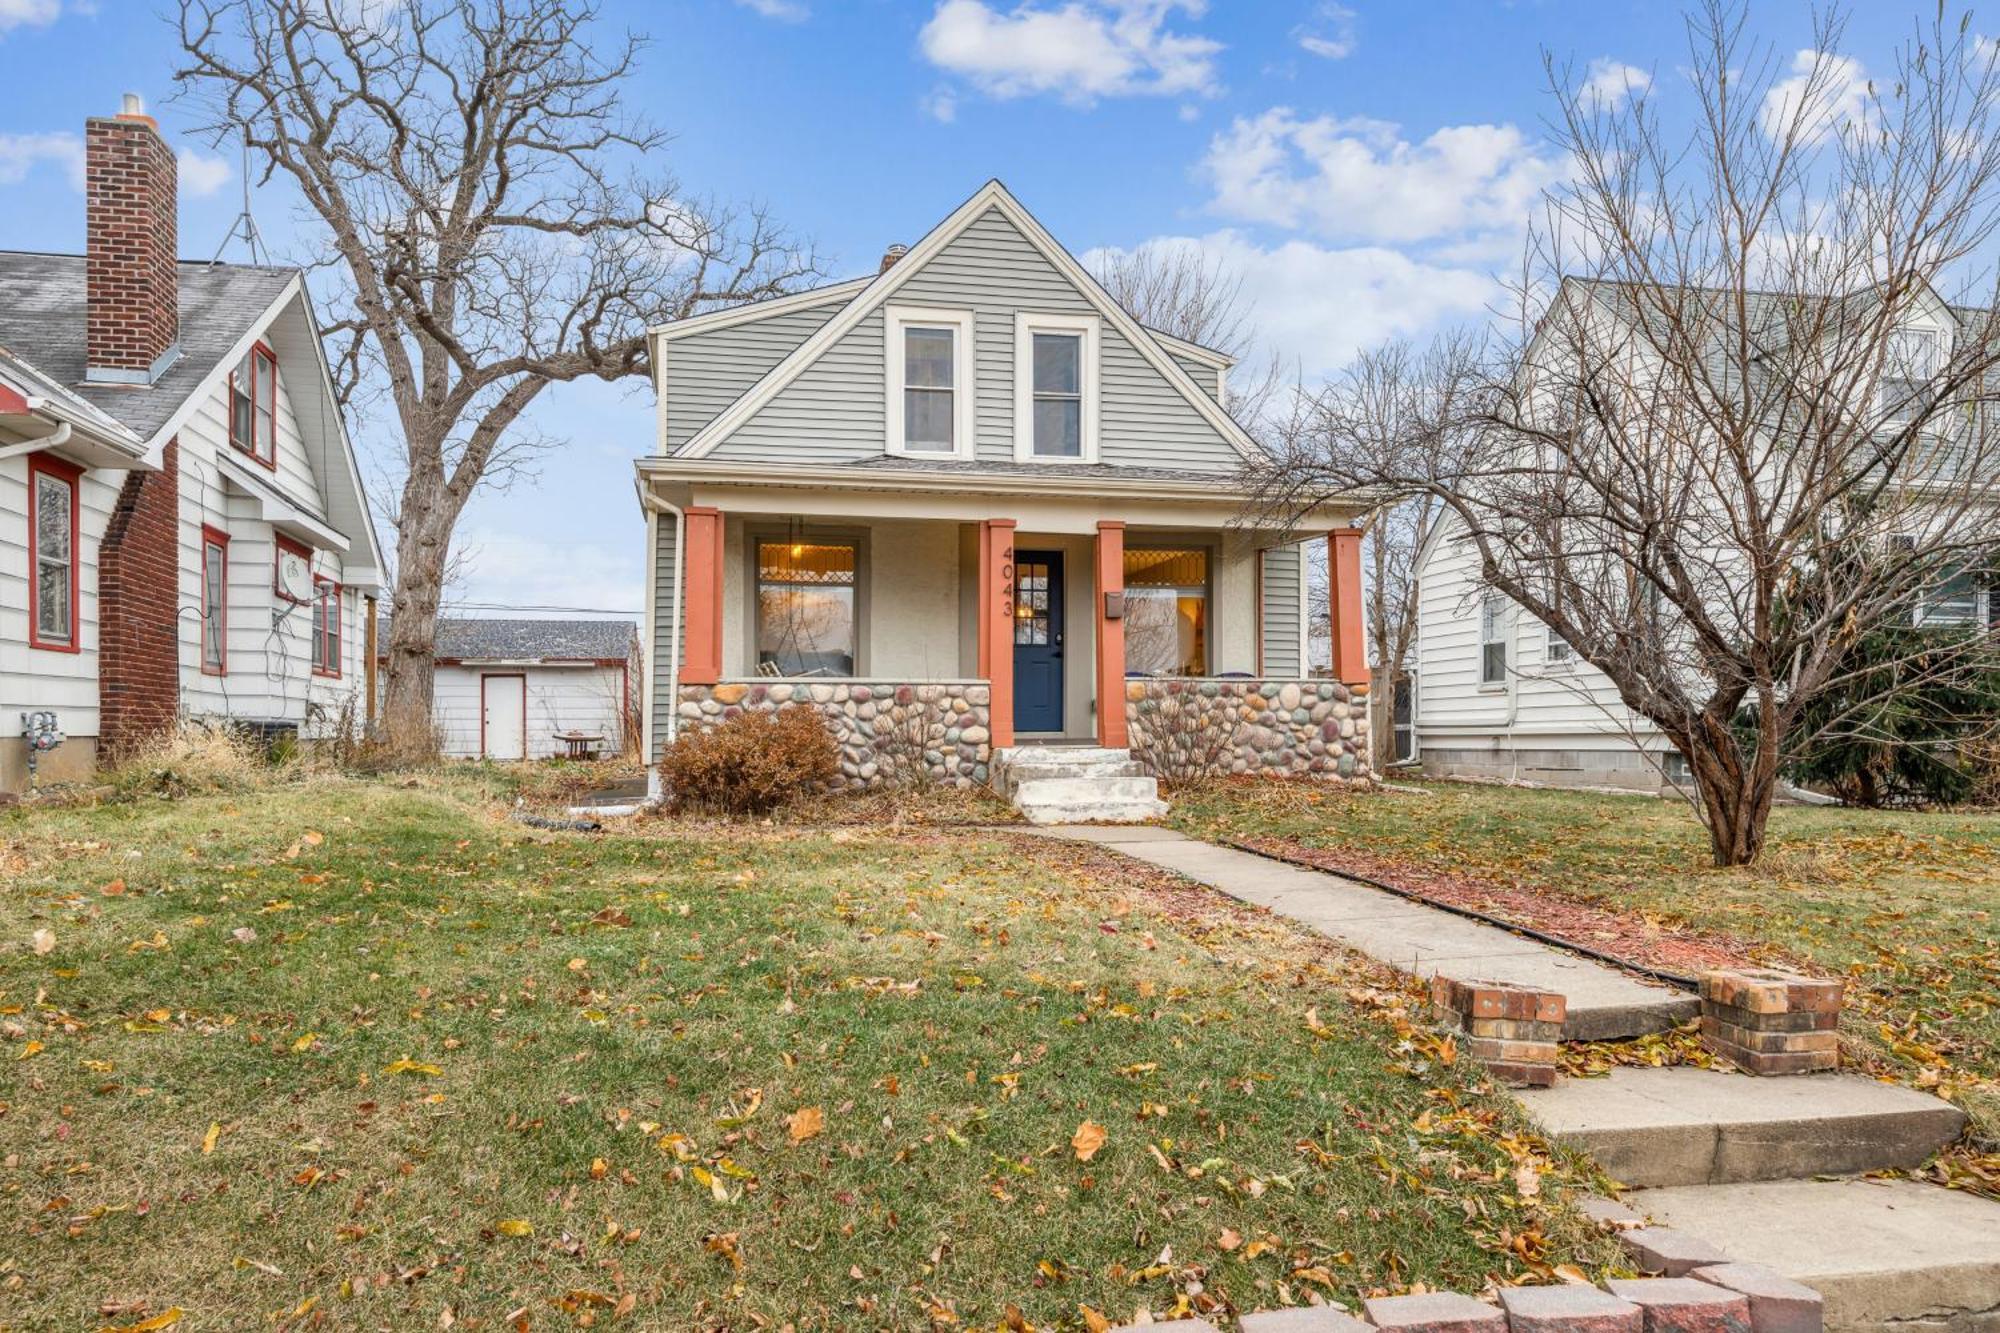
1365 167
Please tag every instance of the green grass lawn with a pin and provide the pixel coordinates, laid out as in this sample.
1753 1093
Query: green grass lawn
1906 905
364 1055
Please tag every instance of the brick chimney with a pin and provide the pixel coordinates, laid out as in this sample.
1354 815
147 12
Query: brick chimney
131 245
891 255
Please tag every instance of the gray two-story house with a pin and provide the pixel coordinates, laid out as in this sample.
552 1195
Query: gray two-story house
974 511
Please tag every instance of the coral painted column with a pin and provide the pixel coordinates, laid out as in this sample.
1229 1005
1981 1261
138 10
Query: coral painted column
701 587
1350 644
996 625
1111 732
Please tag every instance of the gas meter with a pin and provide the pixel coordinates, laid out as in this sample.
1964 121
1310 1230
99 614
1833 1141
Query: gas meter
42 734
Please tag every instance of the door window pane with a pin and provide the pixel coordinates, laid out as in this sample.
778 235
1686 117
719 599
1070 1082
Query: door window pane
805 608
1166 612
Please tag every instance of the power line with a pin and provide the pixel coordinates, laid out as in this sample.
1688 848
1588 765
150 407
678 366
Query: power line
506 606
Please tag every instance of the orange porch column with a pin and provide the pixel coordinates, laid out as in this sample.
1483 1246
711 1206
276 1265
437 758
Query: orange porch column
1111 732
1350 643
701 588
996 625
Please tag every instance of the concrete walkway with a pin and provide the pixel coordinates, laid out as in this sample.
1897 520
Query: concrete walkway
1605 1003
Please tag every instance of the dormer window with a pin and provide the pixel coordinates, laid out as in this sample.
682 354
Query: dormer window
1055 388
253 405
929 359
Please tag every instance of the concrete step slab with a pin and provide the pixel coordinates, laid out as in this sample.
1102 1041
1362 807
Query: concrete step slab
1886 1255
1688 1126
1045 790
1100 812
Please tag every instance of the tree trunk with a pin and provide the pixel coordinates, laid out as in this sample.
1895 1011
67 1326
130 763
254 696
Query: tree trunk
421 545
1735 794
1381 718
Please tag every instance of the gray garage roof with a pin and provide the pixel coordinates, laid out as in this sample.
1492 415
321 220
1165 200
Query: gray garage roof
43 312
480 640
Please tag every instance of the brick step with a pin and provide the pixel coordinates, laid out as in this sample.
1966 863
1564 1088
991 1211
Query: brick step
1885 1254
1688 1126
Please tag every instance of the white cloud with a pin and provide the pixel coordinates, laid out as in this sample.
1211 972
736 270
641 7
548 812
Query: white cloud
1078 51
22 153
941 105
785 11
202 175
1316 306
1609 83
1360 179
1328 33
1825 93
28 13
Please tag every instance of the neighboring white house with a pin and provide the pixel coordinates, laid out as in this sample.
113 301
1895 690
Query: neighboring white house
1498 695
512 689
183 530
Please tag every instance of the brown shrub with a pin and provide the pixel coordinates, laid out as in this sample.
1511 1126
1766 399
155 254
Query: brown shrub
751 764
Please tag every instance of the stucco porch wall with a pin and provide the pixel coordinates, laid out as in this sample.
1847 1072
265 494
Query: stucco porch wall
1277 728
888 730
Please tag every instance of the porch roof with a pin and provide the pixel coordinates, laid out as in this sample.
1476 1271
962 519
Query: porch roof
915 476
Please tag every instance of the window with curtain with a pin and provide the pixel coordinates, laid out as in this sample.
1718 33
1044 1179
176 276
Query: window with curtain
805 607
214 601
1166 611
928 391
1058 362
52 510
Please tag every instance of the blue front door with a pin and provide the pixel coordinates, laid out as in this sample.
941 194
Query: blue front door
1038 641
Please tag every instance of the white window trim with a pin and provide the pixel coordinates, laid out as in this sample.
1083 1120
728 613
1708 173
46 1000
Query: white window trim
1026 325
896 318
1502 635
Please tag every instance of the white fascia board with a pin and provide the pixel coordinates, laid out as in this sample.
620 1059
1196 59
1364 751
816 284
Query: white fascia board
279 510
1193 351
881 287
756 310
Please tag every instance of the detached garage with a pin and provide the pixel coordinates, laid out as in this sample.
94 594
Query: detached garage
509 689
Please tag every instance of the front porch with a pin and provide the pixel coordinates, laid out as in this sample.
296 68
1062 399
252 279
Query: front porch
933 639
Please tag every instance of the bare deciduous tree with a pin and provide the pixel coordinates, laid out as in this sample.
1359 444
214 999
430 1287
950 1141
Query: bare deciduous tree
1392 403
476 183
1179 291
1747 411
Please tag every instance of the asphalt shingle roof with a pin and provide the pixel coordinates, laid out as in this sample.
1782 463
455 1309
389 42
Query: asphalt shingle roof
43 310
478 639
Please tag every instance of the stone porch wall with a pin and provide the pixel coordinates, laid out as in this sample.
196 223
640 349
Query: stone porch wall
1279 728
888 731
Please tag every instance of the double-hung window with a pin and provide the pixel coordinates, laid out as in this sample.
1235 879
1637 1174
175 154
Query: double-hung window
1055 388
1493 640
214 601
1913 356
52 552
326 628
1559 651
929 359
253 405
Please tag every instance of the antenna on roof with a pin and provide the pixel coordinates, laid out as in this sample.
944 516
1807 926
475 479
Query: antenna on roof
245 224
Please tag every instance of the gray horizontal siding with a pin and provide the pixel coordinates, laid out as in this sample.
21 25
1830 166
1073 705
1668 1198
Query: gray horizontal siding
662 661
1284 566
706 372
833 412
1207 376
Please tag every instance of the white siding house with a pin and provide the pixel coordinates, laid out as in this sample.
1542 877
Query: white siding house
534 689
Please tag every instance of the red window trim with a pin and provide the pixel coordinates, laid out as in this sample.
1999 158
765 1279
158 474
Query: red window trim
218 538
70 475
297 548
259 350
337 637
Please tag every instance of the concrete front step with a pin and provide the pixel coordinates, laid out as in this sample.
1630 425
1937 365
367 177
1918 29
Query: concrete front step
1688 1126
1095 812
1013 775
1886 1254
1073 784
